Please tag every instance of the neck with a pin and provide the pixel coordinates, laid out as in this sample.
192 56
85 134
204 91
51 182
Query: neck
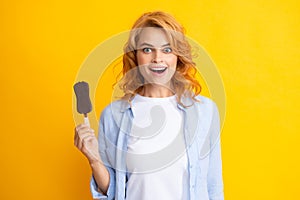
156 91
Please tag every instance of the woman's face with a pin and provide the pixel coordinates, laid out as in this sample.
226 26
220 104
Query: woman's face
155 57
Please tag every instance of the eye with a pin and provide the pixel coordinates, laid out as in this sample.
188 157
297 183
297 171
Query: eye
167 50
147 50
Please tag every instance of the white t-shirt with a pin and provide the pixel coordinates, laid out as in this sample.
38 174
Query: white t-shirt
156 158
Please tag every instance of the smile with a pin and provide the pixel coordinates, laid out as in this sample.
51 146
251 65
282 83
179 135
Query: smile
158 70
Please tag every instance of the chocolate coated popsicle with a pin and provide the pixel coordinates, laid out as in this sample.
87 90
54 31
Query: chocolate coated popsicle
84 105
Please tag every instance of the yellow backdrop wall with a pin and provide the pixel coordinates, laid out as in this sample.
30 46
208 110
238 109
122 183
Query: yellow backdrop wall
254 43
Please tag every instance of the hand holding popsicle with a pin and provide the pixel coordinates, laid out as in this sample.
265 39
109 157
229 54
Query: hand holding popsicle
85 139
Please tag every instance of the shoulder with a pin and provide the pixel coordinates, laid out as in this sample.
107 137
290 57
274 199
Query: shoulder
206 107
205 103
114 111
204 99
117 106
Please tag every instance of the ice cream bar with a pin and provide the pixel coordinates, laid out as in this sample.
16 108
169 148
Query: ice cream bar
84 104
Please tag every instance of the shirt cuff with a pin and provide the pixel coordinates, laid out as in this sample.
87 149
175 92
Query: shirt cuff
94 190
110 191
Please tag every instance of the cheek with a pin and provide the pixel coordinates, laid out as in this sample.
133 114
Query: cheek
142 59
173 61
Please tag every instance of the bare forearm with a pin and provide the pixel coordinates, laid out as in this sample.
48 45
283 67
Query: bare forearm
101 176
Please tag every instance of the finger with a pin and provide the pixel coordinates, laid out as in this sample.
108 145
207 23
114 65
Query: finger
80 132
86 141
75 136
81 126
85 130
75 132
76 139
83 137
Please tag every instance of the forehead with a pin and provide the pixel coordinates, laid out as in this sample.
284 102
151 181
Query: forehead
152 35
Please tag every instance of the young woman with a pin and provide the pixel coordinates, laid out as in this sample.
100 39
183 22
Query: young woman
161 140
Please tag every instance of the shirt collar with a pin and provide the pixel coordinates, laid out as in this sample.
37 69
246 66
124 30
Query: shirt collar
125 105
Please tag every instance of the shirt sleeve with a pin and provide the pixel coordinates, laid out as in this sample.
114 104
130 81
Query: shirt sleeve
214 179
96 194
110 192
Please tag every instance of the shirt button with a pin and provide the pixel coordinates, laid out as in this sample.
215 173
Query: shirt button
191 166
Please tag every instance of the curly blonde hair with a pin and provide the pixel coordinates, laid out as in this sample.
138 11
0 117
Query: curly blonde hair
183 82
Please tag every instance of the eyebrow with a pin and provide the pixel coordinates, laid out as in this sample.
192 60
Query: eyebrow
150 45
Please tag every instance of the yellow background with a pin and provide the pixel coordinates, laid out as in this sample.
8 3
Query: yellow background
254 43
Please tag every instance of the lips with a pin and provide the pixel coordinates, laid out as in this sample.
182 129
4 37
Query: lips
158 69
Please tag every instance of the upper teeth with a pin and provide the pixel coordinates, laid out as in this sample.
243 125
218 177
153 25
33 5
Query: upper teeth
158 68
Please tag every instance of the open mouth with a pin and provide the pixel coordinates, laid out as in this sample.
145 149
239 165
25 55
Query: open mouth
158 70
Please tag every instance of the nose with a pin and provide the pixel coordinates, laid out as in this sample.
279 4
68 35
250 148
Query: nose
157 56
